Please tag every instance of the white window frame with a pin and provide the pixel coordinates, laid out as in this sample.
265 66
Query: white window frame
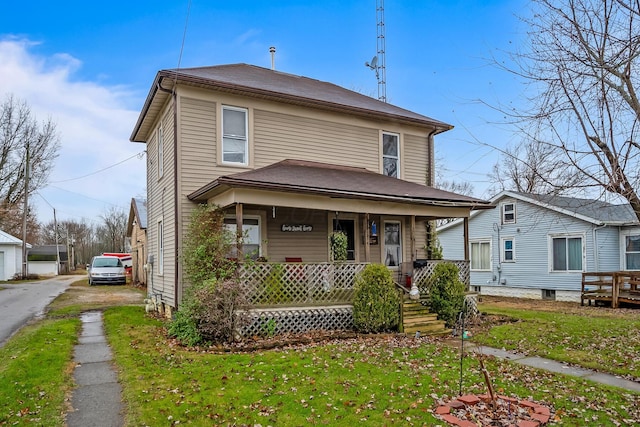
245 227
480 241
623 247
235 137
387 156
398 251
503 249
504 213
160 147
160 246
567 236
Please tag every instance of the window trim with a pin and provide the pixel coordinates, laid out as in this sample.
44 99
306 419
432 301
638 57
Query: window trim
623 247
384 243
383 156
160 246
246 138
503 212
503 250
567 236
481 240
160 153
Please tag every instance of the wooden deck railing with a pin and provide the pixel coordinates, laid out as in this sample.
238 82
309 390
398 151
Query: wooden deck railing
611 287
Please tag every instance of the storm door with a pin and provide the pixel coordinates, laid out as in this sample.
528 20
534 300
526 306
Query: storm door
347 226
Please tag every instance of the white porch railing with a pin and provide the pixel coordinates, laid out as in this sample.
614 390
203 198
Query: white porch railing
299 284
421 275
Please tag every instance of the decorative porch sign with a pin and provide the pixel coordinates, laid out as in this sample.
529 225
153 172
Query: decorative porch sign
297 228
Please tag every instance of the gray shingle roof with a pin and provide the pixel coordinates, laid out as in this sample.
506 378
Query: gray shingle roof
342 181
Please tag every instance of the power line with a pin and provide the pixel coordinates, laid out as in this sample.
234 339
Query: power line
101 170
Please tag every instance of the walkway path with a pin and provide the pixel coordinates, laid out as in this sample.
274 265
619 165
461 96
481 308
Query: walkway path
97 401
557 367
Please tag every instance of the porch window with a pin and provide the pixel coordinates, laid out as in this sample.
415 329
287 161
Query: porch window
160 242
508 213
508 249
160 139
566 253
480 255
235 143
391 154
632 252
251 234
392 244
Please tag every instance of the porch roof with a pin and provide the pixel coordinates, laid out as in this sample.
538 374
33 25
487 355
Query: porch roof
335 181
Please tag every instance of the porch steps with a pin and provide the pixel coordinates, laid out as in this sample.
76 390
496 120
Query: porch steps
417 318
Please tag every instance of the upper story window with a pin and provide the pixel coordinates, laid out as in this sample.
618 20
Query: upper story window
160 138
235 141
391 154
508 213
480 255
566 253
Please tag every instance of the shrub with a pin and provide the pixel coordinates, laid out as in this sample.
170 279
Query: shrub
376 303
207 246
210 312
446 292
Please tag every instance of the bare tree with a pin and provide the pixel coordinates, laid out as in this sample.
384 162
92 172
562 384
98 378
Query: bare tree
22 135
77 236
113 232
581 64
533 167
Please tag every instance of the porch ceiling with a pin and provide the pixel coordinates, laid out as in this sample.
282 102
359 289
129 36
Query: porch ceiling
303 184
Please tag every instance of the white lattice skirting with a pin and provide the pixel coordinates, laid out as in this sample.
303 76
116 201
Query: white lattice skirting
265 322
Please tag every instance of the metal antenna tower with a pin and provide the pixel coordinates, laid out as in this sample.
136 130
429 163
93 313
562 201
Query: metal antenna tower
378 63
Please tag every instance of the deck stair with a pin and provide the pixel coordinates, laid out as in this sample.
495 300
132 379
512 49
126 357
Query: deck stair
416 317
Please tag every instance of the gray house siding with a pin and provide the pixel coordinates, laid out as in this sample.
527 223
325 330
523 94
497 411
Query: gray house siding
531 270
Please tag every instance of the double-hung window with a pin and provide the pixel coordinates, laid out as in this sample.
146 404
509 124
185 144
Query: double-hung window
632 252
235 140
508 213
250 234
480 255
508 249
566 253
160 138
391 154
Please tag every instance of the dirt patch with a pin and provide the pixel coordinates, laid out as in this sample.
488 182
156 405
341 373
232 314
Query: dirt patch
91 297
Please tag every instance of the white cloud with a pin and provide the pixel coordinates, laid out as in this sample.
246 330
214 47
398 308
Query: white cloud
94 126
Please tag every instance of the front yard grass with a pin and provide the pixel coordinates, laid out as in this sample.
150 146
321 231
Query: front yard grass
603 341
380 380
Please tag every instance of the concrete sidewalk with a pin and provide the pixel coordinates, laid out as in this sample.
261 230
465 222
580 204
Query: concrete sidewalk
557 367
97 401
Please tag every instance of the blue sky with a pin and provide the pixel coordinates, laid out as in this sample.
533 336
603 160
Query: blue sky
89 67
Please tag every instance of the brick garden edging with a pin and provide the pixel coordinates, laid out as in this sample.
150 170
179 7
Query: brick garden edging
513 412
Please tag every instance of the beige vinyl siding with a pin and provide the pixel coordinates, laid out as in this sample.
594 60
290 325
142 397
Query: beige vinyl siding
416 158
279 136
421 237
160 202
310 246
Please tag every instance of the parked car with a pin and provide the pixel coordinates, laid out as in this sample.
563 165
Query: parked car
106 270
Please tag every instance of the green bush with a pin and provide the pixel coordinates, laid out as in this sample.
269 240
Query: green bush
338 243
446 292
212 311
376 303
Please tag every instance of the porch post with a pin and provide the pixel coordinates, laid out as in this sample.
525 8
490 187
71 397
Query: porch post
239 222
466 238
367 233
413 238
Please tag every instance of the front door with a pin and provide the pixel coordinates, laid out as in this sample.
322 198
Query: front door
347 226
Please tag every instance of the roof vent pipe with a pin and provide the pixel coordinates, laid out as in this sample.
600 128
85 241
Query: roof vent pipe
272 50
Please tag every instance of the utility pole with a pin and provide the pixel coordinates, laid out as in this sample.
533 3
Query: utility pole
24 213
55 227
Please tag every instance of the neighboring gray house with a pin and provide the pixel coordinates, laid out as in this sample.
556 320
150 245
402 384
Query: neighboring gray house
537 246
10 256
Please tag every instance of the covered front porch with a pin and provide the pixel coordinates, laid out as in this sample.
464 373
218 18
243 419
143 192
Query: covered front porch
285 213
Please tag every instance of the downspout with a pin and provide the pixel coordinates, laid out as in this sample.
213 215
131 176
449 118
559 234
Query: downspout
175 184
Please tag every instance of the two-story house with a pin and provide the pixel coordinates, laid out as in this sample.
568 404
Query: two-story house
289 159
